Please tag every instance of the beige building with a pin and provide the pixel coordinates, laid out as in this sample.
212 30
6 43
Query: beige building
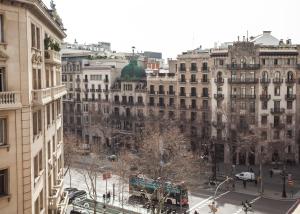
31 143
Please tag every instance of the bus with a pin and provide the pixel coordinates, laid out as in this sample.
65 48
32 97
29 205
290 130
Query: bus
141 186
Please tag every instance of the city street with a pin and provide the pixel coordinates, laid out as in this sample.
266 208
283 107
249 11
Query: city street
226 201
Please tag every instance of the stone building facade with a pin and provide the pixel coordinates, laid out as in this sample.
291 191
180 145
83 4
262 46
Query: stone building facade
31 144
245 87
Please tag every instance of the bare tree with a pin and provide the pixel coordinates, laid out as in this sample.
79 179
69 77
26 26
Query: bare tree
163 154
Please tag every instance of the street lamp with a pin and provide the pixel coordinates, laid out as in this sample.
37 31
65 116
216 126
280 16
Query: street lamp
283 184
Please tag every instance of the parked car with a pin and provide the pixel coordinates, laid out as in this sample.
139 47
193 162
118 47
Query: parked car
77 194
70 189
79 212
247 176
112 157
276 171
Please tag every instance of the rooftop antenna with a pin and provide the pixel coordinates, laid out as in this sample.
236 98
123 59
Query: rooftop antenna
247 35
133 50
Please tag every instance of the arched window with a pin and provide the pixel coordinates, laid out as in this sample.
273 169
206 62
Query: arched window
265 75
290 75
277 75
219 76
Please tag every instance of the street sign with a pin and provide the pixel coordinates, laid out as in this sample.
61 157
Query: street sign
106 175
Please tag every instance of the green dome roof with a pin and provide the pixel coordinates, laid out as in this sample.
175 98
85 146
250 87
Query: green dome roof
132 71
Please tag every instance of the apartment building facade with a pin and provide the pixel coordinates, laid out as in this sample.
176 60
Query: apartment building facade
31 147
221 97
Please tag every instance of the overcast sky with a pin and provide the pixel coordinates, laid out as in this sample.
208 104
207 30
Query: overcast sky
173 26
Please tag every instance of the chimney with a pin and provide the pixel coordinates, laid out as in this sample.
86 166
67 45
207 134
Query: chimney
281 42
267 32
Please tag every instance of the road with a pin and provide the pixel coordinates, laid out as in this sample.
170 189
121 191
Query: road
227 202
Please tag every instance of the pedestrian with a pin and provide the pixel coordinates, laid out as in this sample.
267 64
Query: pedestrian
196 212
271 173
103 197
251 170
244 183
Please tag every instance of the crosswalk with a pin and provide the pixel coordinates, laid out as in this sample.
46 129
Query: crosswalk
227 202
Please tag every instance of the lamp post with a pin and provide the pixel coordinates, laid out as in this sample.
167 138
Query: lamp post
283 183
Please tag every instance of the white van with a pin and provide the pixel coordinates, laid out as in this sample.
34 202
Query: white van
248 176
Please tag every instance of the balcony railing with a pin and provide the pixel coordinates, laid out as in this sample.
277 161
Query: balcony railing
243 81
265 96
265 81
10 100
56 194
172 105
193 81
182 94
161 105
278 80
58 91
218 124
219 96
277 110
182 106
219 80
193 107
277 125
78 89
77 79
182 81
290 96
161 92
290 81
243 66
152 92
194 69
193 94
205 80
171 93
182 69
205 69
52 57
41 96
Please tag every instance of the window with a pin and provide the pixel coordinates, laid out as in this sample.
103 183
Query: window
264 105
37 78
277 91
37 122
1 28
277 104
289 104
242 105
182 78
204 92
263 61
193 78
49 150
193 67
53 111
264 119
152 89
182 66
35 37
289 134
252 107
264 135
151 101
3 132
85 107
2 79
275 61
289 119
204 78
3 182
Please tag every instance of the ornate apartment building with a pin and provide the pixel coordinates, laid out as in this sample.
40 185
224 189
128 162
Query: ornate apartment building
217 94
31 142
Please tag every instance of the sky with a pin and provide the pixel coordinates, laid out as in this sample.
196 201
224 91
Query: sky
174 26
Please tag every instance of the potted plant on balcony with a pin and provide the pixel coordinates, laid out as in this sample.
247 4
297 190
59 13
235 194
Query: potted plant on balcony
48 43
55 46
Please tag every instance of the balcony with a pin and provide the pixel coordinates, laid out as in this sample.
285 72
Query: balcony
52 57
205 95
204 80
243 66
193 95
56 195
194 69
277 110
219 96
172 105
161 92
116 102
265 96
278 80
205 69
41 96
193 81
78 89
58 91
152 92
139 104
218 124
182 106
290 96
10 100
290 81
171 93
106 80
182 69
182 94
265 81
161 105
278 125
219 80
182 81
85 80
243 81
